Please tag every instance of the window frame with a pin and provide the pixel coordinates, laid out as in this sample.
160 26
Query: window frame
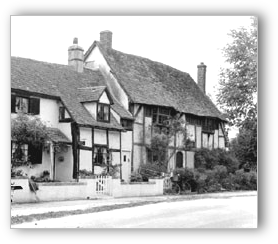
33 107
106 156
159 116
103 105
127 124
21 99
27 148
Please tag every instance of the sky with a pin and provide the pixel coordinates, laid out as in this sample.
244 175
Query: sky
179 41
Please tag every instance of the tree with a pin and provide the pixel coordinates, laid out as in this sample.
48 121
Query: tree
245 146
237 94
26 130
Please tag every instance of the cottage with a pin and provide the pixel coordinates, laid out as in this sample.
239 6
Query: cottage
103 107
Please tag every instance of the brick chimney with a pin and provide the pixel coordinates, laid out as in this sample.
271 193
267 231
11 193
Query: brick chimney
75 56
106 39
201 76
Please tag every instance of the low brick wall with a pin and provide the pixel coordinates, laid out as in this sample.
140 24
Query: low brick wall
137 189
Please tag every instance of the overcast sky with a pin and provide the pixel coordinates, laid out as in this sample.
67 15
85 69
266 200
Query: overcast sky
181 42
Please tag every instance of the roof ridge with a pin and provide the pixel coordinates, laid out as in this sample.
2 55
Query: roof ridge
40 61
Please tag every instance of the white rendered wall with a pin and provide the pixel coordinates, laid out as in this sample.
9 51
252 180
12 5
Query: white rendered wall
205 140
215 139
85 160
198 136
114 139
92 108
104 98
49 112
126 140
100 137
86 136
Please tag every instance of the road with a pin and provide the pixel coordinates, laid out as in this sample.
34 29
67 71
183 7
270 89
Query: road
233 212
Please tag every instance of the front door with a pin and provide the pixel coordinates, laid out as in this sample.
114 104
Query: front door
179 160
126 167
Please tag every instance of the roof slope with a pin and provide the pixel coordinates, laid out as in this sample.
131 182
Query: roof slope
56 135
120 110
89 94
60 81
154 83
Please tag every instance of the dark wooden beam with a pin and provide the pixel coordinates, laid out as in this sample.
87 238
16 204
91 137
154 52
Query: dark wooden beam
121 155
82 147
138 111
93 150
75 151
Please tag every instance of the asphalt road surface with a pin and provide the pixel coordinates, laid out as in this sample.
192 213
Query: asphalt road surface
233 212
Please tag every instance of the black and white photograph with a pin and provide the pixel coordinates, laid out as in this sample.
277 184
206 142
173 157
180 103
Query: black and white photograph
134 122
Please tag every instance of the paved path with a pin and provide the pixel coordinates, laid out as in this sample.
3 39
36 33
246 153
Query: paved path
217 211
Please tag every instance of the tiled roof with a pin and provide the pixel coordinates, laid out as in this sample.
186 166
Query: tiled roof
60 81
56 135
89 94
154 83
121 111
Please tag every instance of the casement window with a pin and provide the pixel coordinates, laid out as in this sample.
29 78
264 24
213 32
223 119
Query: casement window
62 113
152 156
160 115
127 124
194 120
101 155
27 153
103 112
209 125
27 105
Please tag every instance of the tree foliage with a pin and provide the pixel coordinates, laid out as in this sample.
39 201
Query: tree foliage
26 130
237 94
245 146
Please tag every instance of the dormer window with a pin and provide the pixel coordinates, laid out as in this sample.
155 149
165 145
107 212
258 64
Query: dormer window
103 112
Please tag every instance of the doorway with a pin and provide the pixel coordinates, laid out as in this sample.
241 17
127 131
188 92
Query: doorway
179 160
126 167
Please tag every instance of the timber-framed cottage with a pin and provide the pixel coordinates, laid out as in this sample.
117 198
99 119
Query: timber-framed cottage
103 105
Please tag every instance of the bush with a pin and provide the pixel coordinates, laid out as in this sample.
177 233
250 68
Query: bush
245 180
136 177
208 159
205 158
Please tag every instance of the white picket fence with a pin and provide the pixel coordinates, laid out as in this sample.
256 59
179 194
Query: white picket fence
102 184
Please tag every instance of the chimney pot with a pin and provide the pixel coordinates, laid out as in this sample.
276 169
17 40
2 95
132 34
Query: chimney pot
75 40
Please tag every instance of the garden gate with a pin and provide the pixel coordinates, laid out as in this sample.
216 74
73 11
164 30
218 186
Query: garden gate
102 184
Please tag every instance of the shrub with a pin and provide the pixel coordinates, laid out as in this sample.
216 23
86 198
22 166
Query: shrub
136 177
208 159
205 158
245 180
